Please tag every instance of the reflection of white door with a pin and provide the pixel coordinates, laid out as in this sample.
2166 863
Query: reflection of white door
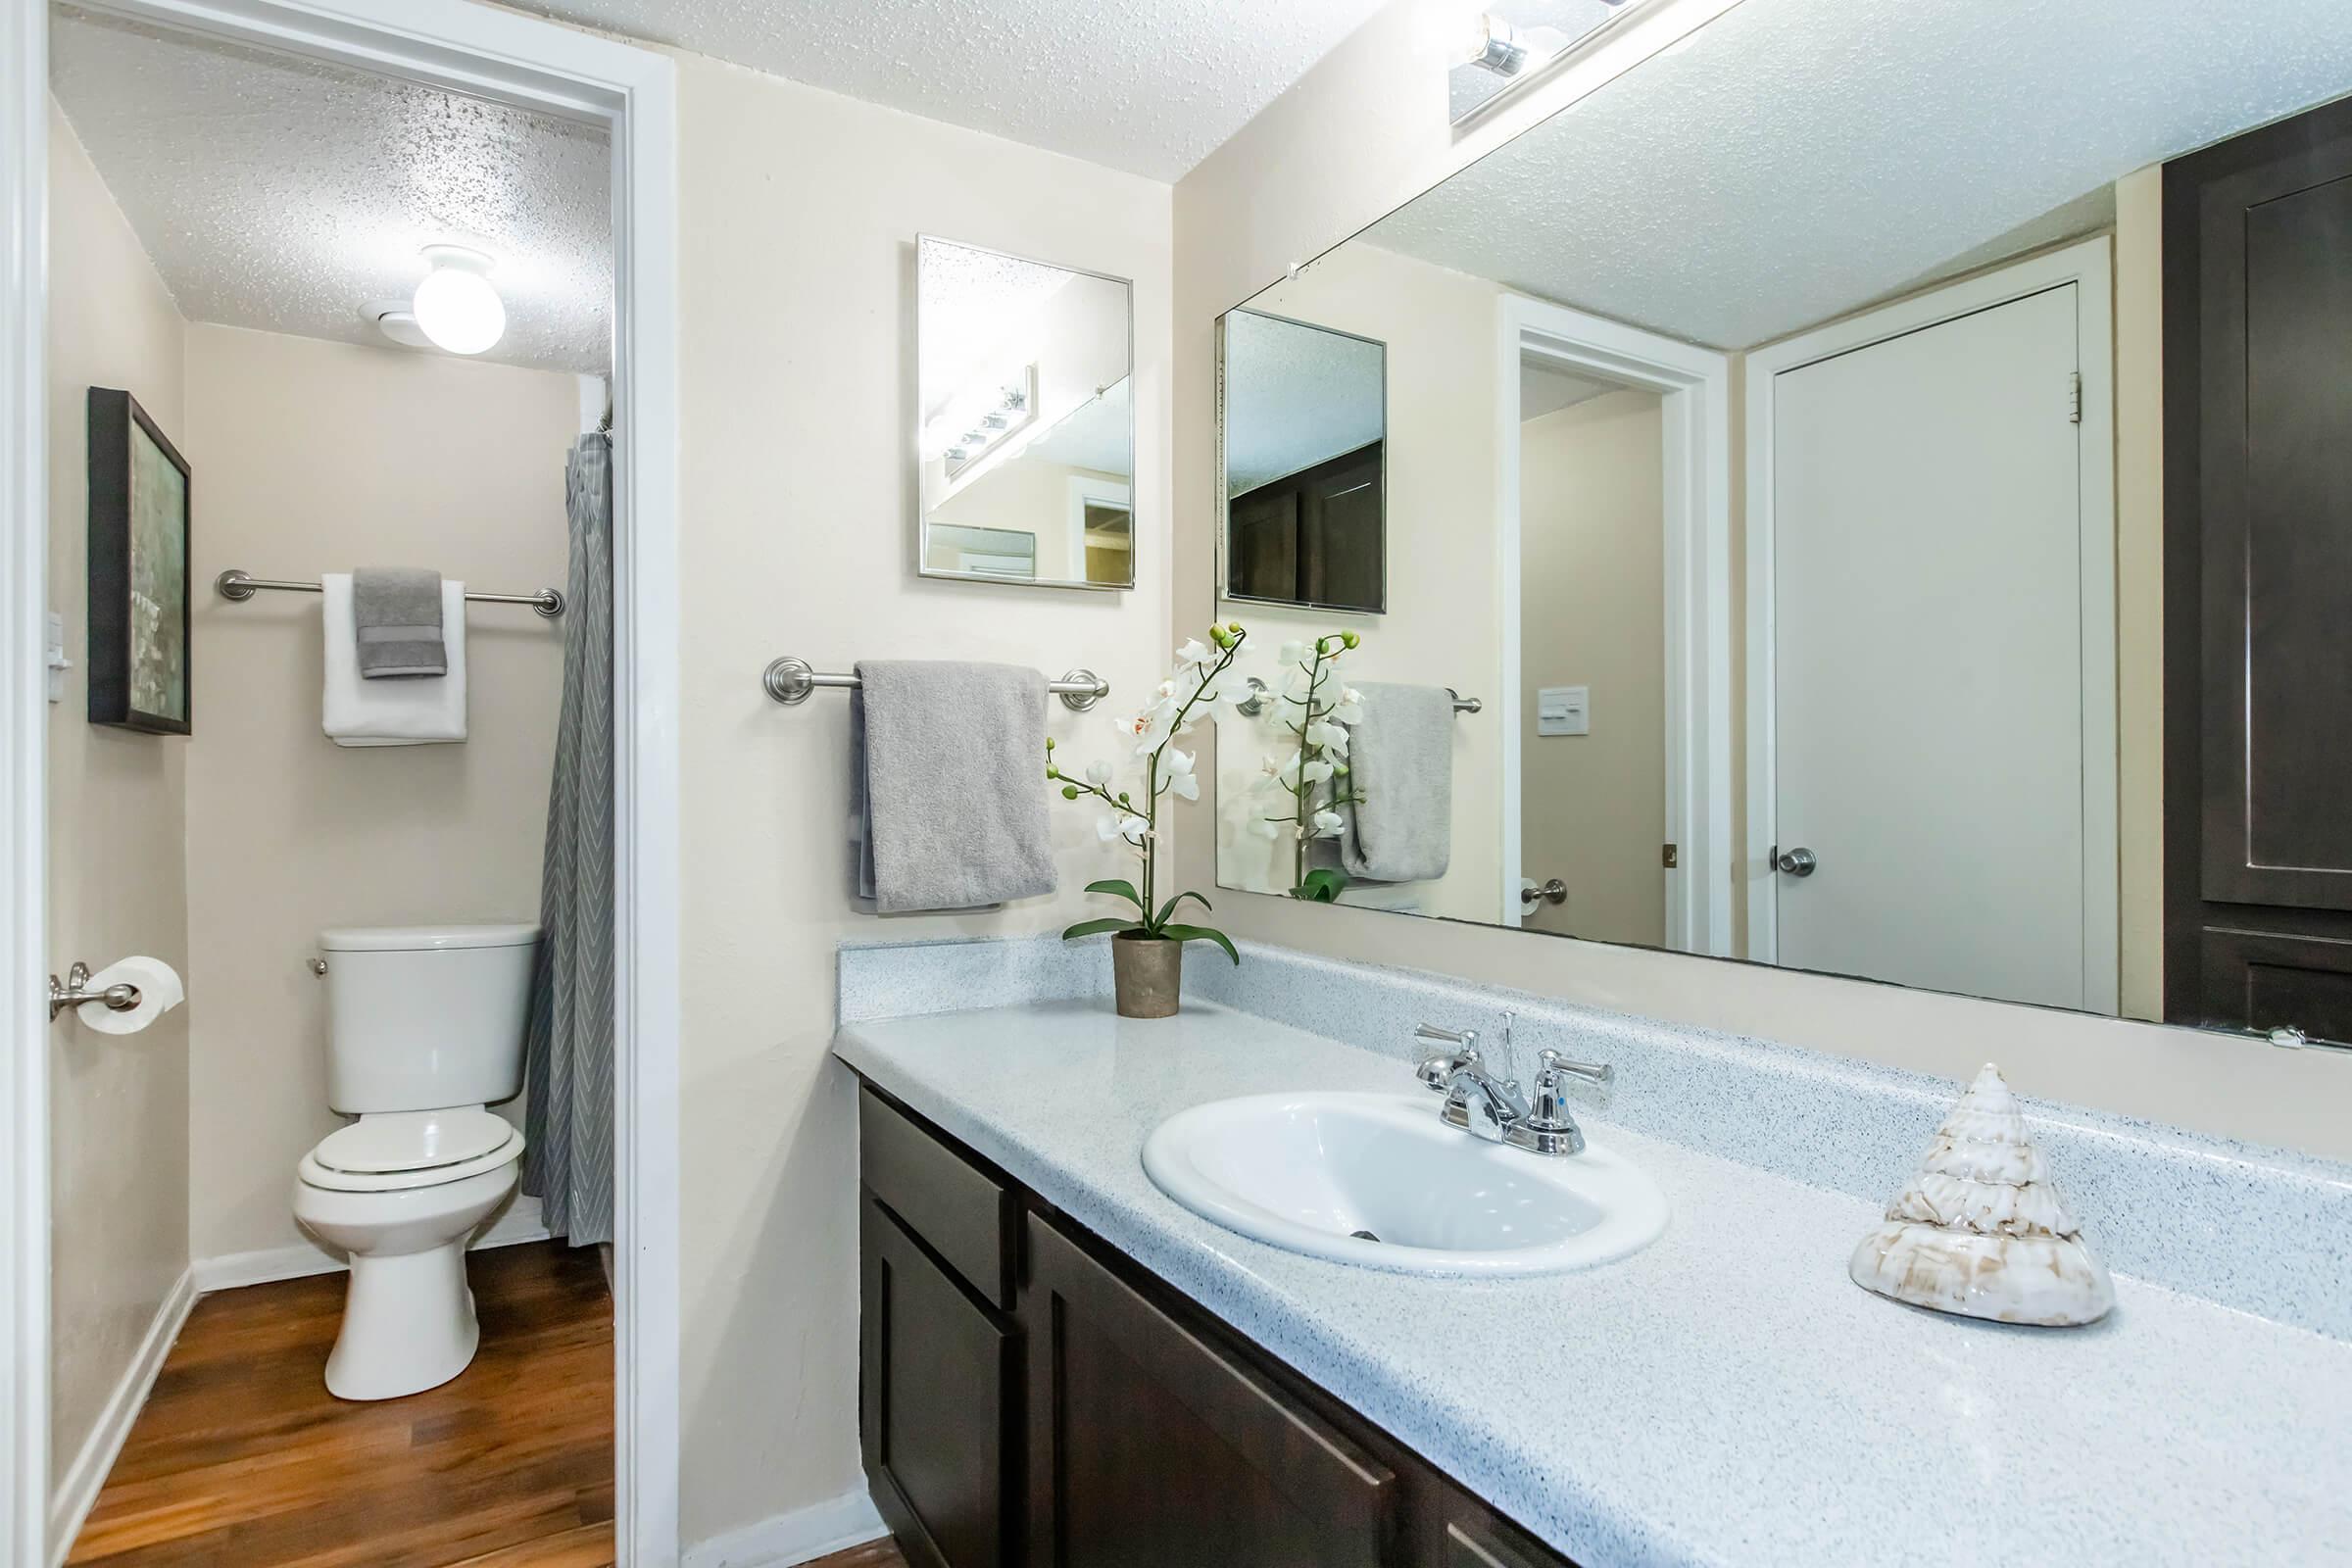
1939 651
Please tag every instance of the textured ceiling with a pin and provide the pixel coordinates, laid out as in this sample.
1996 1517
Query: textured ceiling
1795 159
1150 87
1296 395
286 194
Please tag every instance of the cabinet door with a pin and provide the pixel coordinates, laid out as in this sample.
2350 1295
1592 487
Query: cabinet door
1477 1546
936 1403
1149 1447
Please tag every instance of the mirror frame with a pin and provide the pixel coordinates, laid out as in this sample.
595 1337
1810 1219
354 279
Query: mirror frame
922 511
1224 567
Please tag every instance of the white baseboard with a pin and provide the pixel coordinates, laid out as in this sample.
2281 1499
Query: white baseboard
522 1222
78 1489
801 1536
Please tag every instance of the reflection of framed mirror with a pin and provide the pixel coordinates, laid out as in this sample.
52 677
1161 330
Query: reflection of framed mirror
1026 425
1305 470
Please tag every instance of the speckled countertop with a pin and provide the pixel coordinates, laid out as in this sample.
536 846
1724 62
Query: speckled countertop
1725 1395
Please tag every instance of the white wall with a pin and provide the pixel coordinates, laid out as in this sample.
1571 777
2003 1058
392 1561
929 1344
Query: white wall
797 365
314 457
1591 562
1361 133
117 1103
1445 611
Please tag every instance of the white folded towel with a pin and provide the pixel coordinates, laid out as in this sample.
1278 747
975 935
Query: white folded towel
391 713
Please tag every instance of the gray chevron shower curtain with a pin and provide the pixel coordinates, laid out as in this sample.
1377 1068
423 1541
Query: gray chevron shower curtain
568 1113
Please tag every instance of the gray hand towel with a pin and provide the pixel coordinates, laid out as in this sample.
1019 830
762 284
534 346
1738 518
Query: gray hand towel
1401 760
947 785
397 612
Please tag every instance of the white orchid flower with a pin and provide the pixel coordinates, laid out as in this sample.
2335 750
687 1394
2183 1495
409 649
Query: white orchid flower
1177 767
1329 736
1194 654
1121 825
1327 824
1349 708
1097 774
1316 772
1293 654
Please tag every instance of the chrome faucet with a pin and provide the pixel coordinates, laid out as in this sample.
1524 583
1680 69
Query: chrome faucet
1491 1108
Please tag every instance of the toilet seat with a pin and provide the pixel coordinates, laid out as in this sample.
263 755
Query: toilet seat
401 1151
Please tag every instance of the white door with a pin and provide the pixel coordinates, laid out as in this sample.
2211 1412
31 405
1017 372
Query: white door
1928 658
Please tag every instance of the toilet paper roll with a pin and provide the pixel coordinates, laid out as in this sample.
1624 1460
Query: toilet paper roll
159 991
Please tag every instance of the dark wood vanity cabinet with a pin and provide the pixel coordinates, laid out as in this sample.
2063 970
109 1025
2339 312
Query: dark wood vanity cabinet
1029 1397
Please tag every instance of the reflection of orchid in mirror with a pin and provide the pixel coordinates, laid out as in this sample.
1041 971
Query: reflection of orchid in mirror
1199 683
1317 710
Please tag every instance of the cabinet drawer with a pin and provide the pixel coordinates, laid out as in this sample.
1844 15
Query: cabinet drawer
1480 1545
937 1404
1151 1446
960 1211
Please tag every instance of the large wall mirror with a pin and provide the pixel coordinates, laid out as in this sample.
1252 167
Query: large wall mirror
1027 419
1887 479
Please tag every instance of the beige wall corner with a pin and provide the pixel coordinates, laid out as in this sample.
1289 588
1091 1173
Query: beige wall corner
2139 585
117 1103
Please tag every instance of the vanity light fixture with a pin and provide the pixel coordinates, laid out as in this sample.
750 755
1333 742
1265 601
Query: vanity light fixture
1498 47
1011 408
1521 42
455 304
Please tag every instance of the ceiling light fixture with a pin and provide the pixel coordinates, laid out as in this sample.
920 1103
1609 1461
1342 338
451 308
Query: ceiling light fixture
455 306
1496 46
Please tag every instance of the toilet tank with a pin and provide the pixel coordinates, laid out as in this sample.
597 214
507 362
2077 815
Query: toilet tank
421 1017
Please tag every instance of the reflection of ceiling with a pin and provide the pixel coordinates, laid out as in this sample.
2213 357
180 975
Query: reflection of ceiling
1150 89
286 194
1544 390
972 304
1294 396
1796 158
1099 435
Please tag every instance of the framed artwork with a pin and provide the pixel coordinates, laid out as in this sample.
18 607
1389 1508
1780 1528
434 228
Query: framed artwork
139 666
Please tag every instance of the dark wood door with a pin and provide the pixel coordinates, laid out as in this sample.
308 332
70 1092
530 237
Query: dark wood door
2258 580
938 1402
1151 1447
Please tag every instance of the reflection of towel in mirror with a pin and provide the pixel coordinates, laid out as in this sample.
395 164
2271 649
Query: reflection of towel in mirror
1401 760
947 785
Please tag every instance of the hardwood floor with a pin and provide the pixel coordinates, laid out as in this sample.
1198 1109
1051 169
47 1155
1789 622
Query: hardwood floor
879 1555
242 1459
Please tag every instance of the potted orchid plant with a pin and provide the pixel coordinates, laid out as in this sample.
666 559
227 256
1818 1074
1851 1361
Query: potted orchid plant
1317 710
1147 949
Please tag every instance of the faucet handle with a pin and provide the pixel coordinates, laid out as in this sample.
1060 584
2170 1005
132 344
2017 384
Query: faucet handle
1598 1073
1467 1039
1437 1072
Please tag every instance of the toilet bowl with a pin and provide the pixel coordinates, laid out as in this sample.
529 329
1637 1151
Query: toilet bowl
401 1192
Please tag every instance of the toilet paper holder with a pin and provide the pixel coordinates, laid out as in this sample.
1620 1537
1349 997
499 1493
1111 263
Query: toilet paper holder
76 989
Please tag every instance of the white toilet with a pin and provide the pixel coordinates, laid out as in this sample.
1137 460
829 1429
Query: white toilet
425 1030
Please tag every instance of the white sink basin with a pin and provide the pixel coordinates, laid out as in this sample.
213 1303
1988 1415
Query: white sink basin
1380 1182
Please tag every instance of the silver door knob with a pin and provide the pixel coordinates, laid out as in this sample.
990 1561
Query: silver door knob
1555 891
1798 862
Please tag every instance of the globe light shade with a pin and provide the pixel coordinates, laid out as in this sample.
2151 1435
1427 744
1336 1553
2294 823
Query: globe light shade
454 305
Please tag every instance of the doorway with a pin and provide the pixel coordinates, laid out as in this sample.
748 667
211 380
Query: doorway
1679 394
1909 467
505 59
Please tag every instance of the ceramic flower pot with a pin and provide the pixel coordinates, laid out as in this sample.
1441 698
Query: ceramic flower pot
1147 973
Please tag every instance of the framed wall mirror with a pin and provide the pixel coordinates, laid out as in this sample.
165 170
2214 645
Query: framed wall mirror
1305 476
1026 426
1907 539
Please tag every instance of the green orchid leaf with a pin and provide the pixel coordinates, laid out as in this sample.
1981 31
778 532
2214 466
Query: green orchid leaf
1322 885
1094 928
1169 908
1118 888
1202 933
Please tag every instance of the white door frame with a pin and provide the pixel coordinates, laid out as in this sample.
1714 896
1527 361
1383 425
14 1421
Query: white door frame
2089 266
513 59
1693 385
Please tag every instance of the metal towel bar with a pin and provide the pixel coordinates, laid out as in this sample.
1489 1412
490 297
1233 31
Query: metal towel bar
791 680
239 586
1255 703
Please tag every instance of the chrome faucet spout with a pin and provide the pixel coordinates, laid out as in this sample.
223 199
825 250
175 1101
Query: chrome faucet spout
1490 1109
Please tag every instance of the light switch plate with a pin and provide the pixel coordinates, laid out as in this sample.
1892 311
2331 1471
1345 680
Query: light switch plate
1564 710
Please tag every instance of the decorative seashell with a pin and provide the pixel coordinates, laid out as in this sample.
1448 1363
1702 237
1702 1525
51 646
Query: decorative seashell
1980 1231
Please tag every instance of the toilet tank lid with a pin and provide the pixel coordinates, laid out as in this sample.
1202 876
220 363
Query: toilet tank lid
426 938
